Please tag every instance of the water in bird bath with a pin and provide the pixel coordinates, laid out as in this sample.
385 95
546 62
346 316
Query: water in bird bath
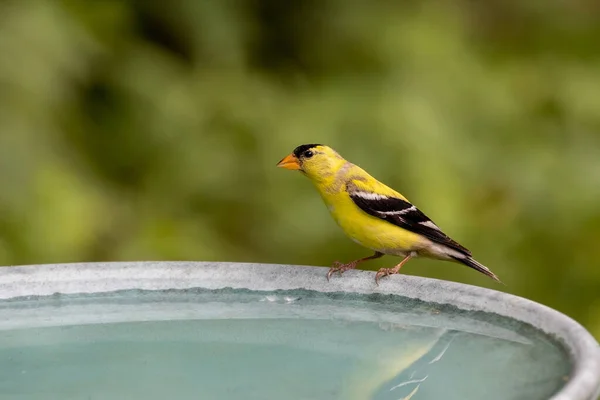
240 344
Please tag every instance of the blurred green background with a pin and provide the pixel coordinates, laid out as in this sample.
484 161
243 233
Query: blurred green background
150 130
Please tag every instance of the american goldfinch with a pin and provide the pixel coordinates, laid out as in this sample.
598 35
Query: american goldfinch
374 215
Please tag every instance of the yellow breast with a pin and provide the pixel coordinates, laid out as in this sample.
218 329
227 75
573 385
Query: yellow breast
366 230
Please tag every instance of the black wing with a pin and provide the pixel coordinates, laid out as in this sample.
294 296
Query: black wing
403 214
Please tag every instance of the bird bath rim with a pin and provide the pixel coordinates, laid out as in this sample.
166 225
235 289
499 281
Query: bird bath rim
48 279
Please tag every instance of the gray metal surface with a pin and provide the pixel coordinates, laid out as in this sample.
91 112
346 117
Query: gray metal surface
584 382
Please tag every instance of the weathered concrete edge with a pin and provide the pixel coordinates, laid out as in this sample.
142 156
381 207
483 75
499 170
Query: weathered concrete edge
105 277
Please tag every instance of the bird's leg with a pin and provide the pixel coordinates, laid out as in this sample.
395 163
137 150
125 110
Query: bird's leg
389 271
341 268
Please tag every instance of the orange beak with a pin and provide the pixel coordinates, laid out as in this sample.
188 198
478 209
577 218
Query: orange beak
289 162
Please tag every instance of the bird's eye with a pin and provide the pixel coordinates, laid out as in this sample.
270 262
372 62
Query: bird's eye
308 154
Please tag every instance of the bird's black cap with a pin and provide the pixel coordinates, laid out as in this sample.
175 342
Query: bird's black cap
302 148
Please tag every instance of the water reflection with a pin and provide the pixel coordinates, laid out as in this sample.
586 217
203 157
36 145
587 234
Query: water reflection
296 345
411 378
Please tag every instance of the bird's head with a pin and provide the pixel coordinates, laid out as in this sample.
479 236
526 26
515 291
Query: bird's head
317 161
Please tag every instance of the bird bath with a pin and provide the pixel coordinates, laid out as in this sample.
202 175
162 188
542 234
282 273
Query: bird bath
155 330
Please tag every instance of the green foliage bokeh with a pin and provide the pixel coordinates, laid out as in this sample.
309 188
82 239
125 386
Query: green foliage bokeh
149 130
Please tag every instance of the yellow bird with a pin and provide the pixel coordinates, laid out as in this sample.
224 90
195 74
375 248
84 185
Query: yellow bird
374 215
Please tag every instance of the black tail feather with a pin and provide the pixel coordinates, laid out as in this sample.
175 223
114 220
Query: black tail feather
472 263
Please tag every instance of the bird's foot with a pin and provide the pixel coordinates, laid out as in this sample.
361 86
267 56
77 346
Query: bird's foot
390 271
385 272
341 268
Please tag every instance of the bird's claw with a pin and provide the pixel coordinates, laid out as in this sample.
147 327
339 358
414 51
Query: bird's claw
339 267
383 272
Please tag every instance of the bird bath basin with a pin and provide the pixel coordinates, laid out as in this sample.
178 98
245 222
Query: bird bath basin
154 330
